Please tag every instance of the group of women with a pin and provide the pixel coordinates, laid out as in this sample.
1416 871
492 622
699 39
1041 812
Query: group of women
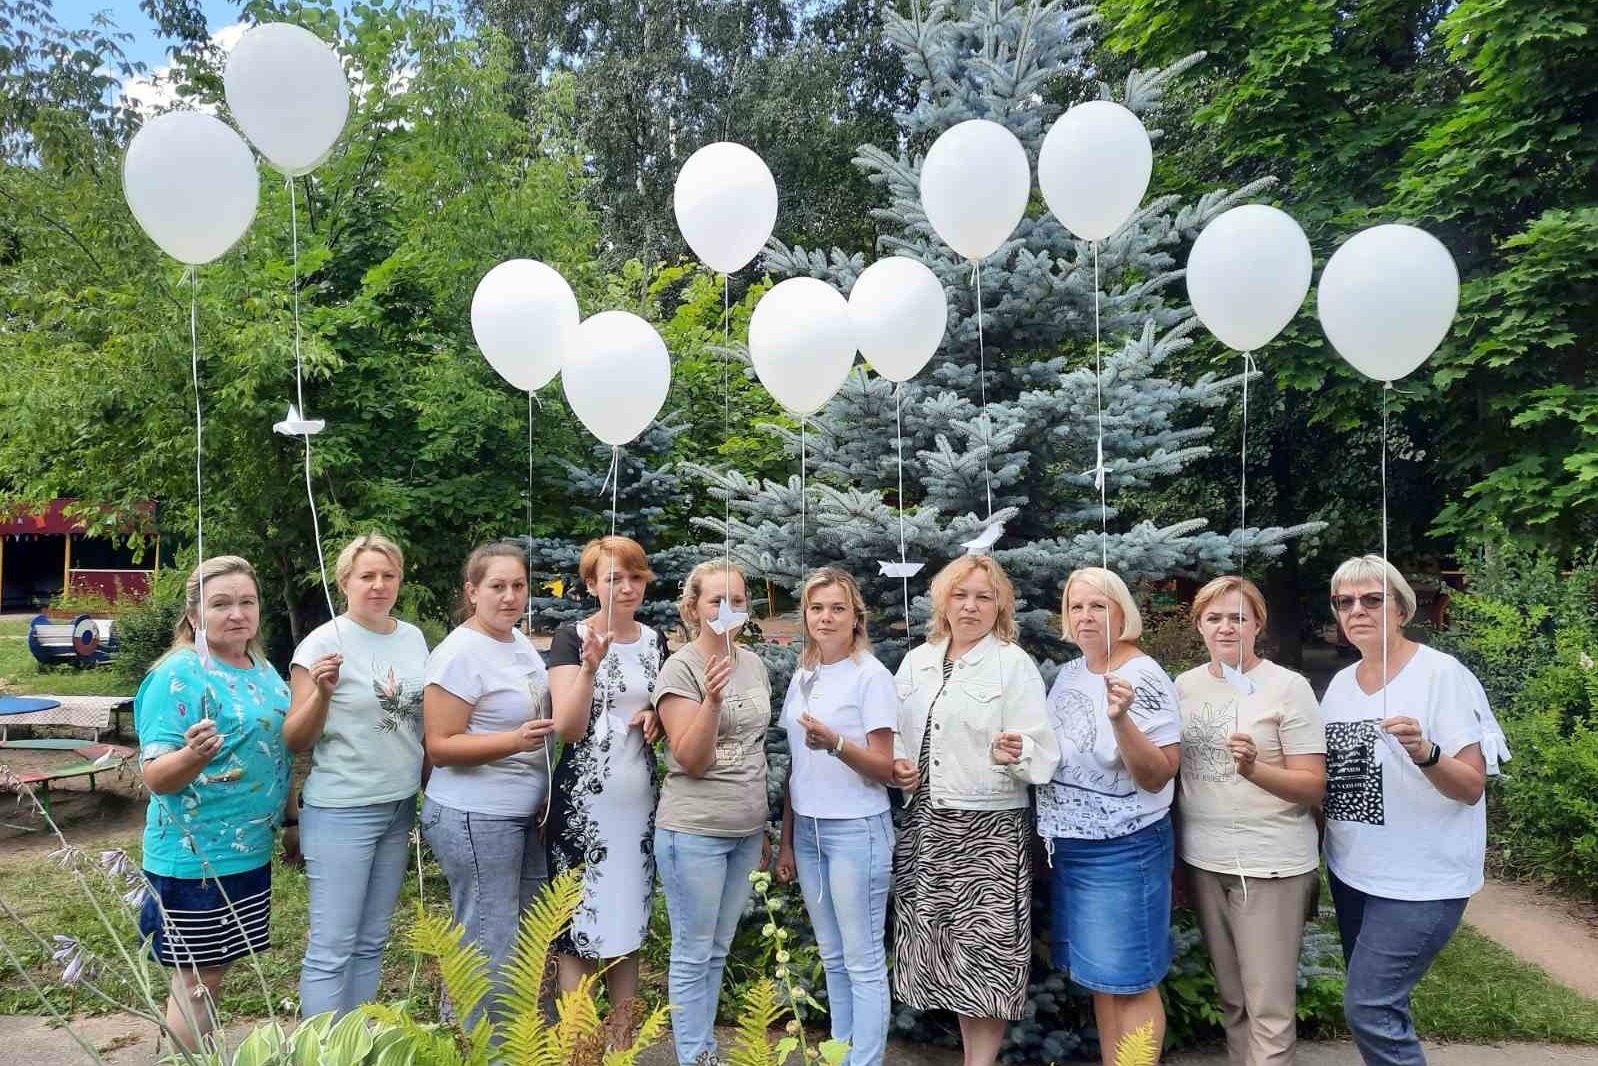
985 757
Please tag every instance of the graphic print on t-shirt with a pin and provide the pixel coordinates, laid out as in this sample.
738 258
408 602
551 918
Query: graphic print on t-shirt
1353 776
1095 793
1204 751
400 704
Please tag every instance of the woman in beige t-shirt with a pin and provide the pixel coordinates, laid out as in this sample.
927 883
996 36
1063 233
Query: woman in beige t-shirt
1253 768
714 700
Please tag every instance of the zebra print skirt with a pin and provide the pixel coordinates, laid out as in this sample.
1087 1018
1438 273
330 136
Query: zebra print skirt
962 897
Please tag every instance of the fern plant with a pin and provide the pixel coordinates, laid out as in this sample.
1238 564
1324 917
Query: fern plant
1138 1048
517 1031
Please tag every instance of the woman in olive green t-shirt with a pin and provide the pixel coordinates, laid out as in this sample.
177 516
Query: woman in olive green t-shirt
714 700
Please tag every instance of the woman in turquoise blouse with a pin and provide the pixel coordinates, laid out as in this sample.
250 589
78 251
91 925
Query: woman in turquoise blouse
210 722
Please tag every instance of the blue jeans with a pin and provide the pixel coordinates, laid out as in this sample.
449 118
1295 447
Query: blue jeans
495 868
845 870
355 864
706 882
1388 944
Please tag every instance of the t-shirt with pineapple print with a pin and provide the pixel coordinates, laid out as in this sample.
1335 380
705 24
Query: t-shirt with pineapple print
370 750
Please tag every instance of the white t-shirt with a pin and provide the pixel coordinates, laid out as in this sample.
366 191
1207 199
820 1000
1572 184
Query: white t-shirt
506 685
1230 824
1093 796
853 697
370 750
1388 831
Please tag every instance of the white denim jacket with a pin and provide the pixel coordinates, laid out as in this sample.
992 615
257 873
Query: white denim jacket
995 687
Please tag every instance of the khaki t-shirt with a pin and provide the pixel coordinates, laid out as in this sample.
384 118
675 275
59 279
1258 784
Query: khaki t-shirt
1229 824
730 799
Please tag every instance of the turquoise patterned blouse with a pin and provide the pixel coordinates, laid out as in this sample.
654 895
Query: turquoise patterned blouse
225 820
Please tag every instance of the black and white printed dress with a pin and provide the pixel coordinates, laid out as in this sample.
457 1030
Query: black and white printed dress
602 814
962 898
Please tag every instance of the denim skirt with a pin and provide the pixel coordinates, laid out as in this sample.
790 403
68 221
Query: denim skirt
1111 909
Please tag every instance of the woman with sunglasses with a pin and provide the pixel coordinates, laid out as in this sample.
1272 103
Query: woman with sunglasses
1406 827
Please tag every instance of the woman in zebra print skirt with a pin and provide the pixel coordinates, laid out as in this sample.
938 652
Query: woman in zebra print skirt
972 737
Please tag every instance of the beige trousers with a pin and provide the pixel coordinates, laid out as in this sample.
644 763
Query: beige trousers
1253 945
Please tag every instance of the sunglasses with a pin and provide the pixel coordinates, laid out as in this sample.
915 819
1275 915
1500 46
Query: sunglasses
1371 601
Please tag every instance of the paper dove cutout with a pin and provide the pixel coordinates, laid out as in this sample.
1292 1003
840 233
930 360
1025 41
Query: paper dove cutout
885 568
203 648
295 426
979 544
1237 679
726 618
807 685
1097 469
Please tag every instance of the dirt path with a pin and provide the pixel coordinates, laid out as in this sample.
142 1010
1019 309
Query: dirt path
1556 934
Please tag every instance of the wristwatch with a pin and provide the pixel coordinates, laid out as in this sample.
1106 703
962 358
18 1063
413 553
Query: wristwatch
837 749
1431 760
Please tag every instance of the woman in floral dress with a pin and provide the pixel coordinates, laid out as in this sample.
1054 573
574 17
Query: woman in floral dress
601 672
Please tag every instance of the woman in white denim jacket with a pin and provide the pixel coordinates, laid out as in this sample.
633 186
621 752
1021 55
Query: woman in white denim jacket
972 736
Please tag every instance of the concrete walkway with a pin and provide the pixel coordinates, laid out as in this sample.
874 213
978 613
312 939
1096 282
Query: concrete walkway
128 1041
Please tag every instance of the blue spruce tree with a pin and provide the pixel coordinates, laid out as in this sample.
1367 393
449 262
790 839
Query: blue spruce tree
999 60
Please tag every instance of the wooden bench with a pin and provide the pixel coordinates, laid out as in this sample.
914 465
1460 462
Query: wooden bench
89 760
84 641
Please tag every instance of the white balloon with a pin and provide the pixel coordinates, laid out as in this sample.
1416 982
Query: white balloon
616 375
975 183
192 185
1248 274
1387 298
287 90
726 203
524 317
900 314
1094 168
801 341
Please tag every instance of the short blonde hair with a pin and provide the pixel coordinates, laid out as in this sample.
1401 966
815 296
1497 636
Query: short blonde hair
1109 583
1229 585
948 580
366 542
1375 568
826 577
694 584
628 554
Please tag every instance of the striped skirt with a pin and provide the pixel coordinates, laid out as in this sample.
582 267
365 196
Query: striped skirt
962 897
207 922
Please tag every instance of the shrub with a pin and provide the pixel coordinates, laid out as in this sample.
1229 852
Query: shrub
144 628
1530 634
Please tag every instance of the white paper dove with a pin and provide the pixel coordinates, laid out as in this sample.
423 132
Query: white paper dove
979 544
807 685
295 426
887 568
726 618
202 648
1237 679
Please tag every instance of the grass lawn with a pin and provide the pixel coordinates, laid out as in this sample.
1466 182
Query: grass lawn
1479 991
53 901
22 675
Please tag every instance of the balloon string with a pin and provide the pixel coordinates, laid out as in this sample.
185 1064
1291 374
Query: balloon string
726 407
529 502
299 394
1098 468
802 463
615 483
982 385
898 442
199 439
1386 388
